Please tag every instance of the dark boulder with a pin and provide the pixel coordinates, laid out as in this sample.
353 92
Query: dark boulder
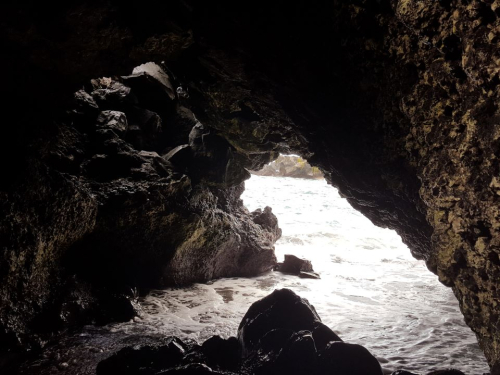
446 372
282 309
144 360
222 354
323 335
295 266
299 356
340 358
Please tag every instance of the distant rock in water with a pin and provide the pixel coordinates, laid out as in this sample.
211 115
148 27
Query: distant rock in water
297 266
290 166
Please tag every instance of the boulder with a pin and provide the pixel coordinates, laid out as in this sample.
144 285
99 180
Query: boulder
299 356
144 360
446 372
295 266
340 358
222 354
282 309
323 335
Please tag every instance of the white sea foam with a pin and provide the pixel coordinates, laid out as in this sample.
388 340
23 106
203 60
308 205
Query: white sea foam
371 292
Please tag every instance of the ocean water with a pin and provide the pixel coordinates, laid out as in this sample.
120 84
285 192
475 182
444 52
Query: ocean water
371 291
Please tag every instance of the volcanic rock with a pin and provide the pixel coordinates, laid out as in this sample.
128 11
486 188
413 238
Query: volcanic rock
144 360
348 359
396 101
113 120
282 309
296 266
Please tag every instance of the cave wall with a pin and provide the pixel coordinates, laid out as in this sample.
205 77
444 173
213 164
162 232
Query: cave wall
395 101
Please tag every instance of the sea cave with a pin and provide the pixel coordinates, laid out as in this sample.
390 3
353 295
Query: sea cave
130 131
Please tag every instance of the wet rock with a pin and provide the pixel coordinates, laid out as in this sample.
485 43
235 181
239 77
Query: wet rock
308 275
403 372
446 372
323 335
282 309
347 359
298 356
144 359
113 120
271 344
222 354
295 266
217 353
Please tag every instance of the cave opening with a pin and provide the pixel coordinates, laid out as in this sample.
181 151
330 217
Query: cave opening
371 289
137 182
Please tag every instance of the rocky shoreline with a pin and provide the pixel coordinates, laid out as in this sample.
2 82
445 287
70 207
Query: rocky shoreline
280 334
138 210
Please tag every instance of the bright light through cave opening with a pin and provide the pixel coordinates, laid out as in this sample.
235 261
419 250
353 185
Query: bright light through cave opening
372 291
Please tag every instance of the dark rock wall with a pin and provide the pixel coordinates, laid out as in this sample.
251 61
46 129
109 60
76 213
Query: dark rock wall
395 101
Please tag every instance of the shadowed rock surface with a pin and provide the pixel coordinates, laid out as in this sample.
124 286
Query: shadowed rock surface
396 102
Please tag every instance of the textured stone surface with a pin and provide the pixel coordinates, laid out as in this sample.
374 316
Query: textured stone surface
395 101
100 212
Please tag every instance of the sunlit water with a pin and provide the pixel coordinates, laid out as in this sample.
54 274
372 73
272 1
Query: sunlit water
371 291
